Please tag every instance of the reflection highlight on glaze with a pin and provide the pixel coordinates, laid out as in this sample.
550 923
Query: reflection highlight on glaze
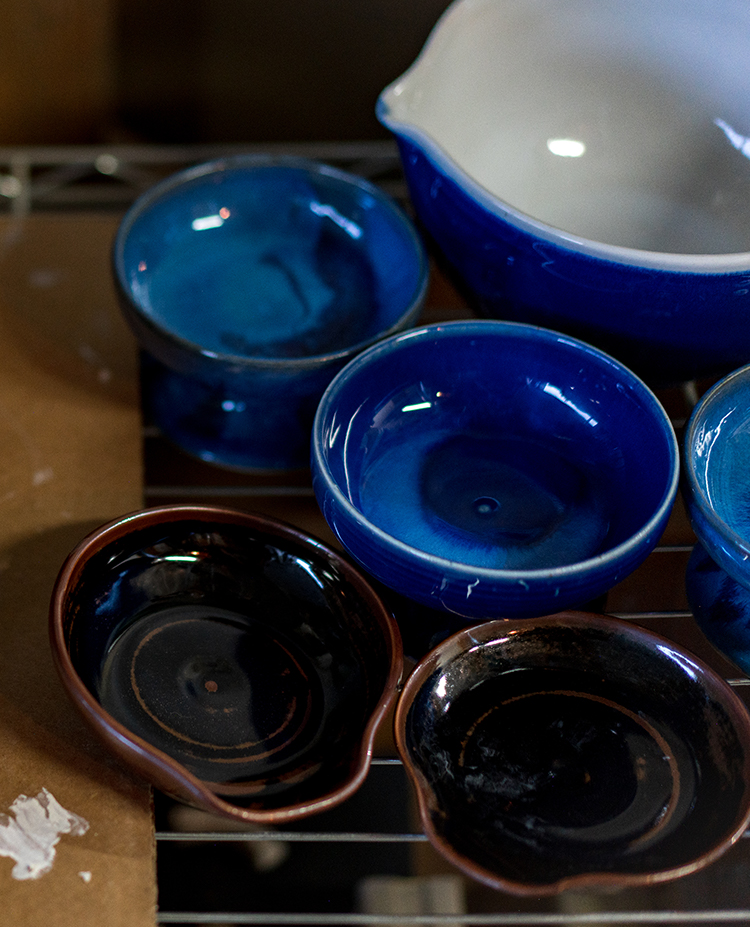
566 147
551 390
416 406
324 209
682 661
740 142
207 222
214 221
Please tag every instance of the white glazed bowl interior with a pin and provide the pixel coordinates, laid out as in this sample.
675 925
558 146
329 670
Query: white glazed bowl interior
620 123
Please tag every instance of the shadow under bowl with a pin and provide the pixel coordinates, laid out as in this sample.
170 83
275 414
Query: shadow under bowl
234 662
493 469
721 607
574 751
575 173
249 282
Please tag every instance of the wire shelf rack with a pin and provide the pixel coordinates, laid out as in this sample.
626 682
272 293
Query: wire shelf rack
366 863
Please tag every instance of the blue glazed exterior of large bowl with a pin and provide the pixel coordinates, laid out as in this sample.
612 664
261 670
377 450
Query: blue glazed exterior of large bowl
216 379
554 391
665 324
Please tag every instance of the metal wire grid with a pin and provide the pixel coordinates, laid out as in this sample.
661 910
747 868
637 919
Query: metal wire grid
520 919
82 178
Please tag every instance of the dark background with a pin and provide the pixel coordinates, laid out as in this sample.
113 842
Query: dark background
104 71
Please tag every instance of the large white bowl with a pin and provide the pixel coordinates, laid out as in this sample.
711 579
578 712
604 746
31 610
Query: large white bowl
584 164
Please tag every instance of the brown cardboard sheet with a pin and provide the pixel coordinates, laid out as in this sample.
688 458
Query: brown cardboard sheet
70 459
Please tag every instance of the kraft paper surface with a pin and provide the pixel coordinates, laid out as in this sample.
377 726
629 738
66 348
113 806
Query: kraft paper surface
70 460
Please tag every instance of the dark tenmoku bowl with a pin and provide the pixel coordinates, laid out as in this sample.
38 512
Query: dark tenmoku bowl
236 663
574 751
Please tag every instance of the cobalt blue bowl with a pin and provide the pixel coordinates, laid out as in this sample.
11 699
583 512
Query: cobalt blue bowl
493 469
716 488
249 282
575 173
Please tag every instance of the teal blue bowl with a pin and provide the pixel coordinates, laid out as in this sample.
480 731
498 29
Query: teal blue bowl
249 282
717 492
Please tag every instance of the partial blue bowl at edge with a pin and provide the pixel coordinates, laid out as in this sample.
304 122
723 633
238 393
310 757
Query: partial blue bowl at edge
249 282
716 487
492 469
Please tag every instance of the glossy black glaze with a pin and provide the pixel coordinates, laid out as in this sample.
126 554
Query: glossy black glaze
574 749
248 655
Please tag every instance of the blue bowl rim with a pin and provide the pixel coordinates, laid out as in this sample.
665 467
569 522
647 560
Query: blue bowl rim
713 264
245 162
694 487
473 327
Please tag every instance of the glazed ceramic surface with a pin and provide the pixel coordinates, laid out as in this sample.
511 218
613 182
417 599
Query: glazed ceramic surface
574 751
584 165
721 607
716 490
717 473
231 660
492 469
249 282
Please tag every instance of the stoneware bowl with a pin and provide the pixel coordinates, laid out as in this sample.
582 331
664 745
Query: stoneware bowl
232 661
493 469
249 282
584 166
574 751
716 488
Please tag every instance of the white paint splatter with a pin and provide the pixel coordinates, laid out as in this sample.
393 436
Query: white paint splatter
32 830
86 876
